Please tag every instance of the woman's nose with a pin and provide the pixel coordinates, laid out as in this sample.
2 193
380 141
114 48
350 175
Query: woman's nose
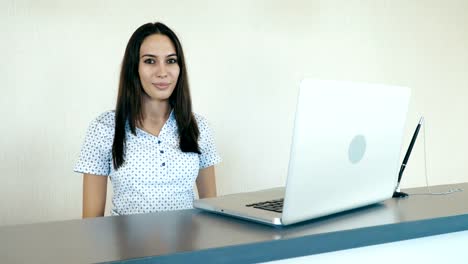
161 71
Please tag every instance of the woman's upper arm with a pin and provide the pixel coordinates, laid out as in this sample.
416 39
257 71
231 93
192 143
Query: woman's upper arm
209 155
206 182
94 195
94 161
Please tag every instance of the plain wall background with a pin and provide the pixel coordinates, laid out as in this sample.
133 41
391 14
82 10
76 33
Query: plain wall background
60 64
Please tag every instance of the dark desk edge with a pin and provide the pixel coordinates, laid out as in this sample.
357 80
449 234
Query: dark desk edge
315 244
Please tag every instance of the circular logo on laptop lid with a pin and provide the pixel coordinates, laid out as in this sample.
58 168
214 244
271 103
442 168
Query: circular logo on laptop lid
357 149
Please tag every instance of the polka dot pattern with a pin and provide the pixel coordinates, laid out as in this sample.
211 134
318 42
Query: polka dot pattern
156 175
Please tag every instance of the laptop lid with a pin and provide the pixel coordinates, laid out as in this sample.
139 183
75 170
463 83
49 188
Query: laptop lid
344 154
345 148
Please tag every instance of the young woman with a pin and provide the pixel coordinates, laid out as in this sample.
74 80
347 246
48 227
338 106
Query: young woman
153 148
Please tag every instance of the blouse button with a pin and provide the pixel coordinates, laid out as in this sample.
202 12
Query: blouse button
161 151
163 164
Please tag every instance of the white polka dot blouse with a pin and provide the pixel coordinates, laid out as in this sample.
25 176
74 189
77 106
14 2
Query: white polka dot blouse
156 175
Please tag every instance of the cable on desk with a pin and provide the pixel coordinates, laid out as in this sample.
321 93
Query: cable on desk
453 190
429 192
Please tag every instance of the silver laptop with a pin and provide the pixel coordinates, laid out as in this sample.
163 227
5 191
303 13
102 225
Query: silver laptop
344 154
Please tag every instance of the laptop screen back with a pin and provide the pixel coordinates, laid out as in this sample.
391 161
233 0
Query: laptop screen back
345 149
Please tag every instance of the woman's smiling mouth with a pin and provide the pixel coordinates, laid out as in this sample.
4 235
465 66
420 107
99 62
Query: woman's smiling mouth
161 85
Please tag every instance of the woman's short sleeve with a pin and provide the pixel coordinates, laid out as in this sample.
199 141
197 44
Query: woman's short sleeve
96 152
209 155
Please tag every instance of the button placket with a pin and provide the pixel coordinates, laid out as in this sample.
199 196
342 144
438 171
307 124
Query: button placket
161 151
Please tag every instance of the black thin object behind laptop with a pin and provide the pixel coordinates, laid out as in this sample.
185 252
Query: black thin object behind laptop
398 194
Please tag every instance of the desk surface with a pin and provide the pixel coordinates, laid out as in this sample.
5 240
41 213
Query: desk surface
196 236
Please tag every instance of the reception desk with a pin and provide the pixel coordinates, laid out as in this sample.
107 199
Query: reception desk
193 236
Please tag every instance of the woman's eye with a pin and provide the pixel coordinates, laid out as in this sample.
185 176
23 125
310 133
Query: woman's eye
149 61
171 61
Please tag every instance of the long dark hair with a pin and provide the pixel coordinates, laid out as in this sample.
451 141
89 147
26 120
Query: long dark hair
128 108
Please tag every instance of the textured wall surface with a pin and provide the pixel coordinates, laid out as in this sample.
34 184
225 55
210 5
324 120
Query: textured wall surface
60 64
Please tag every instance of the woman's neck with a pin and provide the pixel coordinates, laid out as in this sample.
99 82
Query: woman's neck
155 114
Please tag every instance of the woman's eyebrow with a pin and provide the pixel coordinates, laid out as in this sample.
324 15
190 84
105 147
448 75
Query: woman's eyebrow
154 56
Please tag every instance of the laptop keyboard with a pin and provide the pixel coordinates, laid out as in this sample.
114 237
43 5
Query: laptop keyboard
272 205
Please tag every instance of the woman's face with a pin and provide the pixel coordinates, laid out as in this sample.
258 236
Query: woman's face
158 67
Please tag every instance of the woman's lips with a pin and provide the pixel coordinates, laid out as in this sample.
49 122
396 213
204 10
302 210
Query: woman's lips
161 85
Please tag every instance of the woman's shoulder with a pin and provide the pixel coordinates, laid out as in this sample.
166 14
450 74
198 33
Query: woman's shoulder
106 119
204 125
103 125
201 120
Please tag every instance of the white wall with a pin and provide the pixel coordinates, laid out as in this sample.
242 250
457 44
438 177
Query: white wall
60 63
